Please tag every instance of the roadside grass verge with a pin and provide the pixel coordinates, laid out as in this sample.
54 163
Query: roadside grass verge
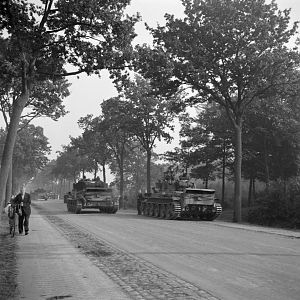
8 269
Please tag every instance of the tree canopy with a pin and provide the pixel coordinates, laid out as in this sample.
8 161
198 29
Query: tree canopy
229 52
57 39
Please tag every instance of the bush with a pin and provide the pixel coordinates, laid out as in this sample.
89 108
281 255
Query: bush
277 208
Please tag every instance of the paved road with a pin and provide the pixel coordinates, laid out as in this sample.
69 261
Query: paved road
228 261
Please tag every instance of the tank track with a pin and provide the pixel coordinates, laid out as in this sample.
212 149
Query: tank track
168 211
173 210
74 206
108 210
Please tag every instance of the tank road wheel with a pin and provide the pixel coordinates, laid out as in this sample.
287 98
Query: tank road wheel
77 207
147 209
168 210
70 207
143 209
112 210
73 207
162 211
150 212
78 210
150 209
156 210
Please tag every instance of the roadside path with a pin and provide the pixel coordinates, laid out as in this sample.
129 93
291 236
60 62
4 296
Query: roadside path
49 267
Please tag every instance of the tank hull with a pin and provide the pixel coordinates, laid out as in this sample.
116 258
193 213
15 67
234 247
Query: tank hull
189 205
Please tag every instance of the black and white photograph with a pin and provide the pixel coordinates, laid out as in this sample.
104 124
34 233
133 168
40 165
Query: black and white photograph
150 149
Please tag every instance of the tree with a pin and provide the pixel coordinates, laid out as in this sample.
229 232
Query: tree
230 52
85 162
45 100
209 138
150 117
44 178
135 170
88 35
114 126
30 154
95 145
67 164
272 138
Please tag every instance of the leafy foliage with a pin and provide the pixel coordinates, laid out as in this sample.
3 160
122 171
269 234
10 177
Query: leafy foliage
228 52
40 41
68 164
150 117
45 100
278 208
30 153
271 140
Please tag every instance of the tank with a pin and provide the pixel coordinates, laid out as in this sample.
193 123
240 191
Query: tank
88 194
179 199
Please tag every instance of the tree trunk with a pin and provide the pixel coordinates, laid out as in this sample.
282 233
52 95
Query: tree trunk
104 173
60 194
17 110
266 161
223 172
206 182
96 170
121 204
8 193
254 190
250 192
148 171
237 216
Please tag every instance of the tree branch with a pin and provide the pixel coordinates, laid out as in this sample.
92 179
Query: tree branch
47 10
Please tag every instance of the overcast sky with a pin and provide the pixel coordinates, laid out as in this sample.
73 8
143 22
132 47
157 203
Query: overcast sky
88 92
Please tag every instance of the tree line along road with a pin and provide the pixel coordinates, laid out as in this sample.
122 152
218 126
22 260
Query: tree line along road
169 259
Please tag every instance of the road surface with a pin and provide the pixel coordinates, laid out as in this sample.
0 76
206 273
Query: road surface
227 261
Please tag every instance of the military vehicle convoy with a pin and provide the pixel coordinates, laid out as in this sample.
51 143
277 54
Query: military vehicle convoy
179 199
88 194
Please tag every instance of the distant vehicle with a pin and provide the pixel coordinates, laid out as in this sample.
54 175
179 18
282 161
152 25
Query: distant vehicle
88 194
178 199
45 196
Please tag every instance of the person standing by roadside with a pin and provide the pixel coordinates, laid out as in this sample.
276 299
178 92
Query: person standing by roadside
23 199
